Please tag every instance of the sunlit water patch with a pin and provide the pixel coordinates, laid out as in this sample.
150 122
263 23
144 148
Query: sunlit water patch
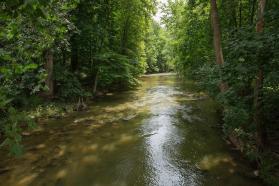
164 133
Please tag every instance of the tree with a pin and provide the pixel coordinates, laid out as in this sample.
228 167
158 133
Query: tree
217 40
250 69
258 93
156 52
49 71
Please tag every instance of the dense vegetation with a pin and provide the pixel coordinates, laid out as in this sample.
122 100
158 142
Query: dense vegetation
244 78
73 50
157 50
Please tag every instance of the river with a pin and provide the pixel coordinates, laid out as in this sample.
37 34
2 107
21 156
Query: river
163 133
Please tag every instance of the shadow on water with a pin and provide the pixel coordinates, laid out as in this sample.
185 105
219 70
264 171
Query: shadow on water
163 133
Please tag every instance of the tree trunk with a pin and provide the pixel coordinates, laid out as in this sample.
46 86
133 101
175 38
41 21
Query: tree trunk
258 93
260 23
95 83
49 71
217 40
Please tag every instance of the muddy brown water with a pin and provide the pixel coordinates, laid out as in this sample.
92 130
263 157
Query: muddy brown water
163 133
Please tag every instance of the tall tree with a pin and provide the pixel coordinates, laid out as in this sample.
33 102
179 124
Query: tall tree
258 92
217 39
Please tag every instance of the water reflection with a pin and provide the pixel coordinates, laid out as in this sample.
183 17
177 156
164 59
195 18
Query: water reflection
165 167
161 134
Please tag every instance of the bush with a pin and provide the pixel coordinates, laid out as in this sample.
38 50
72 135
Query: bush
68 87
117 72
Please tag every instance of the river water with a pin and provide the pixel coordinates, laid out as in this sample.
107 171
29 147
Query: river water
163 133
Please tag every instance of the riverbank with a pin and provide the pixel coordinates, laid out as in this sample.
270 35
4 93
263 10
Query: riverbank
163 133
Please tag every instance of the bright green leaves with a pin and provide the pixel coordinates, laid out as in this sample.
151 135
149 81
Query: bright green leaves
30 66
92 41
156 50
12 130
116 71
28 28
245 52
110 41
189 28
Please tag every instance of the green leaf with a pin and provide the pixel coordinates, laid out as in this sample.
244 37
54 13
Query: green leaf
30 66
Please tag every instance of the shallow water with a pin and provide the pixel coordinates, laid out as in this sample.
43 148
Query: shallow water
164 133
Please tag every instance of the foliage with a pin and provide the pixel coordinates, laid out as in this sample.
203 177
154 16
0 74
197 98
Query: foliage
116 72
68 87
156 50
12 122
78 46
244 49
109 48
51 110
28 29
189 30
